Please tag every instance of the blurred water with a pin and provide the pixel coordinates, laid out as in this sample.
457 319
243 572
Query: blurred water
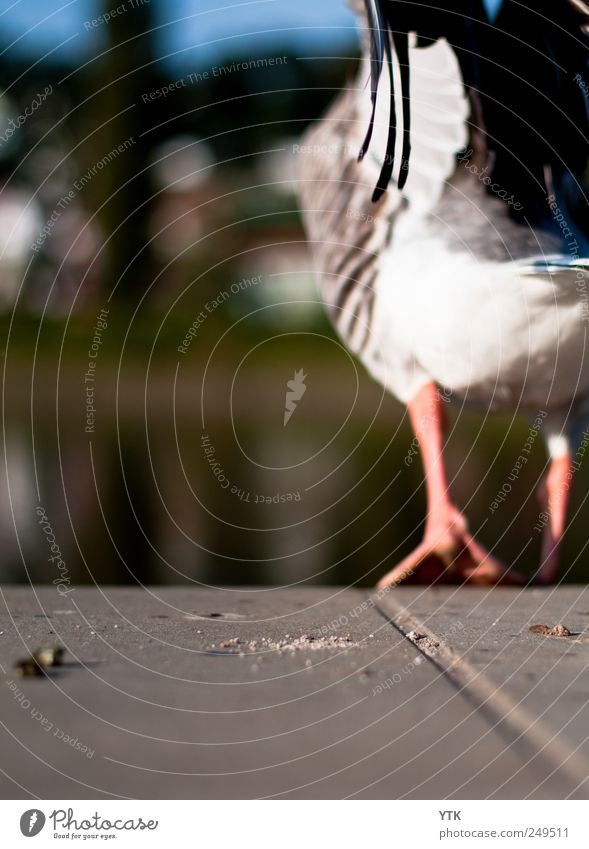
166 489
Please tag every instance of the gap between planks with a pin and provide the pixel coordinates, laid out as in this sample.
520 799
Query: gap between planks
507 716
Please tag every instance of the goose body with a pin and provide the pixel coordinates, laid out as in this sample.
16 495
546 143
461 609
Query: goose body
471 270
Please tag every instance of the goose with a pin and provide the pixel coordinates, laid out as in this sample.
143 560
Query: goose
443 198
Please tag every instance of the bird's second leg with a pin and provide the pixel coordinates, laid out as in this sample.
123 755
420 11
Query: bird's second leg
448 552
554 495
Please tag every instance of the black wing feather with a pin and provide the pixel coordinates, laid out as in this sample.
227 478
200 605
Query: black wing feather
388 165
402 48
377 50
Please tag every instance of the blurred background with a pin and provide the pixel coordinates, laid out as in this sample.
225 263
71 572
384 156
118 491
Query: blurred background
157 297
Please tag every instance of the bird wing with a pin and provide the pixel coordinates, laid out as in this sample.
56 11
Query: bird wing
527 78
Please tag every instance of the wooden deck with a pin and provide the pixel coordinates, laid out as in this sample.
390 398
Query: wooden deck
296 693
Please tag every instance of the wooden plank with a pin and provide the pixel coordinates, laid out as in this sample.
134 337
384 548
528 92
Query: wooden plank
320 698
531 687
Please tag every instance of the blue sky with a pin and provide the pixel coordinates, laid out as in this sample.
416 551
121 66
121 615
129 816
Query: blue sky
247 25
197 32
492 7
194 32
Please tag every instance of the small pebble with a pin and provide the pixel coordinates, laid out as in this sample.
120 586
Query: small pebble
556 631
40 660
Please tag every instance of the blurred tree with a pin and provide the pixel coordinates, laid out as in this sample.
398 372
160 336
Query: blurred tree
119 77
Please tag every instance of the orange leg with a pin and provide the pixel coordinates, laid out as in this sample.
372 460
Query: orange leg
447 546
555 493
